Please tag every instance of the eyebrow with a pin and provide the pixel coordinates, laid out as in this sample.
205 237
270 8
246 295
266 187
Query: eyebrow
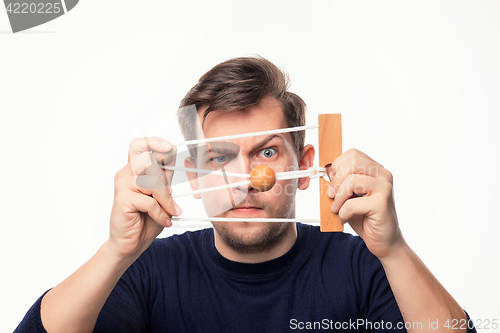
266 140
218 150
257 146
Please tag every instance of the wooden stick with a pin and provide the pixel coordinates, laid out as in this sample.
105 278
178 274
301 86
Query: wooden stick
330 147
241 219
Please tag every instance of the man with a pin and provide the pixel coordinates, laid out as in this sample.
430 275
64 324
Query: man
248 276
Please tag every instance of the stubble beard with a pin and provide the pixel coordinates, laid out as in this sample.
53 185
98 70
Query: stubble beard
269 236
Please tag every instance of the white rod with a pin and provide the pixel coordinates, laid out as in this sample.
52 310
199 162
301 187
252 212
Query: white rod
245 135
241 219
208 189
312 172
214 172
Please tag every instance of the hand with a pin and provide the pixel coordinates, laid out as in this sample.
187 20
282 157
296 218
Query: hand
142 204
363 197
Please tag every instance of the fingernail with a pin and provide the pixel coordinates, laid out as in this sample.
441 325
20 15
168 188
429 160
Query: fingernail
168 222
330 191
166 144
178 210
334 208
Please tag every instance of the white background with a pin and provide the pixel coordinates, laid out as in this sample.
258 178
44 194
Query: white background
417 83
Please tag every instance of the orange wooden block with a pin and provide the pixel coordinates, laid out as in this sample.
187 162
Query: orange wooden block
330 147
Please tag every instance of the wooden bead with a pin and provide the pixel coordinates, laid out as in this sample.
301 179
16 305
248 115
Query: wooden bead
262 178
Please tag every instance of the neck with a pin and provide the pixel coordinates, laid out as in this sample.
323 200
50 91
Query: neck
274 252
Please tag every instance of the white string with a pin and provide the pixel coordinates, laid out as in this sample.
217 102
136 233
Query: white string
245 135
312 172
214 172
208 189
241 219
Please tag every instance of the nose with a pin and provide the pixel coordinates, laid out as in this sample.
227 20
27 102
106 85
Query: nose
244 189
245 166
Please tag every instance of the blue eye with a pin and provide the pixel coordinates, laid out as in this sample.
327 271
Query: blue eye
220 159
267 153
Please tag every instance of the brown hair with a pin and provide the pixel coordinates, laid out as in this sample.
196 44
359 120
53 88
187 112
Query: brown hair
237 84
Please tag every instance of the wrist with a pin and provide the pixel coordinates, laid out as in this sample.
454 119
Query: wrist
400 252
115 258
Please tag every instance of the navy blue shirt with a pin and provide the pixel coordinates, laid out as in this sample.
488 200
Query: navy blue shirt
182 284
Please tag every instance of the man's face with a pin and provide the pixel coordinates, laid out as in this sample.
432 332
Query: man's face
275 151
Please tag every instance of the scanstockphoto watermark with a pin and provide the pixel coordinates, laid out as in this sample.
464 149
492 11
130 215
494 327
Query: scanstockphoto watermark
24 15
450 324
358 324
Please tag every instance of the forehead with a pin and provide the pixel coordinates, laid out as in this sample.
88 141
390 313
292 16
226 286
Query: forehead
267 115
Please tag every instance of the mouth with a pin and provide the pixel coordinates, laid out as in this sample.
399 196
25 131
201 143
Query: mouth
246 211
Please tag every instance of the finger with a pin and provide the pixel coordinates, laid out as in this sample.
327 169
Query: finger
356 207
149 179
146 144
165 158
149 205
354 162
162 196
341 160
354 185
145 164
150 145
126 184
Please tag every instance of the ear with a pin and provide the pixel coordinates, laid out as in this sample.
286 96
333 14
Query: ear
305 162
192 176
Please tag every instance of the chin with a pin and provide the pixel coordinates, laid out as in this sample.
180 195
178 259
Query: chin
244 229
251 237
